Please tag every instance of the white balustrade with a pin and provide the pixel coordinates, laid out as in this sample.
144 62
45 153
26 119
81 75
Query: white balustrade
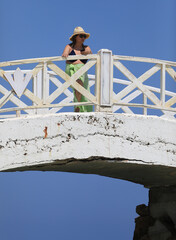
52 88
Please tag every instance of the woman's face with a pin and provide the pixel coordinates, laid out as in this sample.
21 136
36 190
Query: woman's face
80 38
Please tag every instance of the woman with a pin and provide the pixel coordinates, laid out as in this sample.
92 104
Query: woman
77 47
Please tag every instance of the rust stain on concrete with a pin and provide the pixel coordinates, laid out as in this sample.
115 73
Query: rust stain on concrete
45 131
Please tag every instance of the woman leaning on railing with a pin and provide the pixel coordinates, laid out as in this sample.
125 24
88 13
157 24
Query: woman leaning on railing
77 47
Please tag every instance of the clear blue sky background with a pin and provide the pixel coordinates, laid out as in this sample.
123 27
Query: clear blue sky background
53 205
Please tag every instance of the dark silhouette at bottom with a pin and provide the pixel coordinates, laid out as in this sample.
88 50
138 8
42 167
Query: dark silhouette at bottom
157 221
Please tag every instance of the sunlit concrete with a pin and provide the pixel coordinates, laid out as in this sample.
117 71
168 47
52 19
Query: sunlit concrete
141 149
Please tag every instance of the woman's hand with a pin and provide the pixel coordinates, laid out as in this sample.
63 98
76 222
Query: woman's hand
65 55
66 51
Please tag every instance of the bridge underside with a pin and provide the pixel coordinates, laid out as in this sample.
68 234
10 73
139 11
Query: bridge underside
147 175
136 148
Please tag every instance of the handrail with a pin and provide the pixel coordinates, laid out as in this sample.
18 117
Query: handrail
106 95
89 56
46 59
40 96
143 59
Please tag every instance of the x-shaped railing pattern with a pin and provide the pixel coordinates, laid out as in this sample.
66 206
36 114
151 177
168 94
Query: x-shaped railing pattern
44 101
9 95
125 96
41 99
71 81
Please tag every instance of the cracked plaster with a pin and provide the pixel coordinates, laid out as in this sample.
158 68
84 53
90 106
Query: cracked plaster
45 139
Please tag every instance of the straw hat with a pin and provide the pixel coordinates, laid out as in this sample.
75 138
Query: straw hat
79 30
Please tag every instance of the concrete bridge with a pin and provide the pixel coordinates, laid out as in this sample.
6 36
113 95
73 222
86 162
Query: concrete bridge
137 148
130 135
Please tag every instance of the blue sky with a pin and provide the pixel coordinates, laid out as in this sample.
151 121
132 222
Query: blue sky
53 205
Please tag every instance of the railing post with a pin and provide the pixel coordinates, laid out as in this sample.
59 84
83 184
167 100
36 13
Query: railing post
97 83
105 80
18 112
145 103
163 83
41 87
45 85
37 88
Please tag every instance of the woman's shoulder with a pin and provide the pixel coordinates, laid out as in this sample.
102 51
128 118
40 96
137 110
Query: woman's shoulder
70 45
86 47
68 48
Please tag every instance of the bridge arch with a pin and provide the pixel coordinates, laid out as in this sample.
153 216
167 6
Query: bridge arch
140 149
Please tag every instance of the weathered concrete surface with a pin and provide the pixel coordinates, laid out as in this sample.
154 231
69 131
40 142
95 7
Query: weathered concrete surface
137 148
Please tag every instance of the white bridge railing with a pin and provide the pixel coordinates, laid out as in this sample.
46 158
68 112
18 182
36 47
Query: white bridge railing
46 88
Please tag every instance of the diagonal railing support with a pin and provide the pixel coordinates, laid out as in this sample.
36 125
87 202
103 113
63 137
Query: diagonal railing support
45 98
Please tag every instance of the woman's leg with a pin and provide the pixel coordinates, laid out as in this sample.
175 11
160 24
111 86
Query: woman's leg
78 95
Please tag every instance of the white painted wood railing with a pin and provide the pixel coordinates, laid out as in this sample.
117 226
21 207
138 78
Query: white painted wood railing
114 88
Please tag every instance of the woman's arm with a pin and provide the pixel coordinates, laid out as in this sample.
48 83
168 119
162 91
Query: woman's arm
66 51
86 51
